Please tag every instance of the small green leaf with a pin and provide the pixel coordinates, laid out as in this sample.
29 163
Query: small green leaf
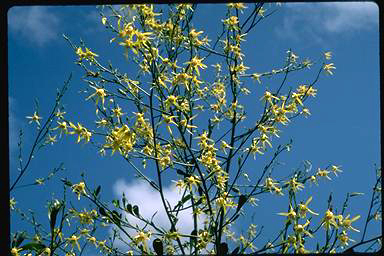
33 246
237 249
116 203
124 200
97 191
356 194
242 201
18 238
136 210
236 190
116 217
66 182
210 175
52 214
184 199
158 246
129 209
102 211
193 240
122 92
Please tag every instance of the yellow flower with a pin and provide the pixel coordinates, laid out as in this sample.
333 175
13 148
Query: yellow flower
172 235
254 148
264 139
344 239
256 77
261 11
328 55
81 131
232 22
291 215
303 208
268 96
328 68
117 112
238 6
336 169
193 180
60 114
34 118
46 251
188 127
346 222
99 94
73 240
294 185
51 139
12 203
301 228
323 173
92 239
88 54
307 63
296 97
305 112
329 220
141 237
291 241
224 145
62 126
15 251
79 189
196 63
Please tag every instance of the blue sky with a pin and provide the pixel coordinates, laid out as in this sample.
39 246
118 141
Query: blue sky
343 128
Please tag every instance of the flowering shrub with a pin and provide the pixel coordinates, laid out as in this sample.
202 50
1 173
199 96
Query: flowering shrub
189 113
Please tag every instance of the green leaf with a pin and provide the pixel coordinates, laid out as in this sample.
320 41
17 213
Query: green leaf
241 202
210 175
66 182
124 200
158 246
116 203
237 249
236 190
193 240
18 238
102 211
122 92
33 246
116 217
356 194
52 215
184 199
136 210
97 191
129 209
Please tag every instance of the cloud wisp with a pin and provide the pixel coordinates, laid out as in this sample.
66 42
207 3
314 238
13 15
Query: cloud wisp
314 20
36 24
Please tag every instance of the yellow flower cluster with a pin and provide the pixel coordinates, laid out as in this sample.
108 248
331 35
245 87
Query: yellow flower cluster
80 130
88 54
121 139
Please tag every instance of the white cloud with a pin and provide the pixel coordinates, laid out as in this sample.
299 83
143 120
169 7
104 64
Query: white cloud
311 21
351 16
149 202
37 23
